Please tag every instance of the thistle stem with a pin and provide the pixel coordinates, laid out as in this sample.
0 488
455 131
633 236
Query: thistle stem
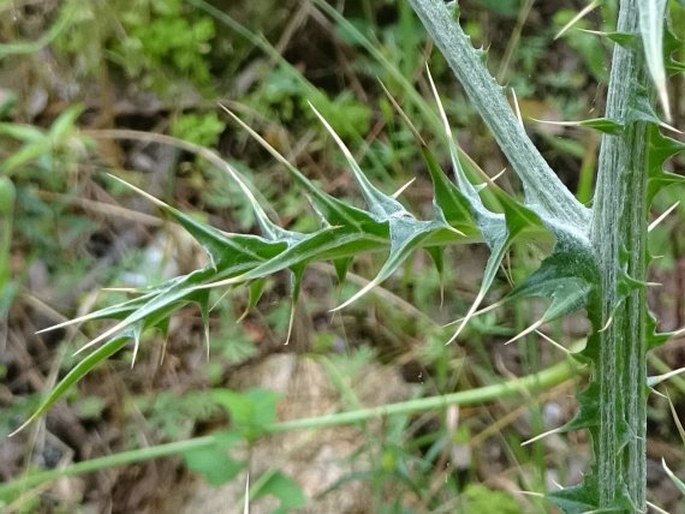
619 238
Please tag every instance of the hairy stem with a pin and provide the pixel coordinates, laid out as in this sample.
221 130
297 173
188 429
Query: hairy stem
619 236
543 187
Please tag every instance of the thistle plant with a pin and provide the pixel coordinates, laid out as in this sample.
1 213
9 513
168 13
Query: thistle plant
598 261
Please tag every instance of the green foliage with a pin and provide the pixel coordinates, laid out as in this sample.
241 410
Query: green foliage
201 129
43 153
40 177
250 411
214 462
173 414
283 488
161 35
597 261
479 498
153 41
282 96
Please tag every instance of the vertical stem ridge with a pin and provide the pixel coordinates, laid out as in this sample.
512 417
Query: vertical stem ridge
619 238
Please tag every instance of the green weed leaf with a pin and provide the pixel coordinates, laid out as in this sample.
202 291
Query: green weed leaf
251 411
62 127
213 461
279 485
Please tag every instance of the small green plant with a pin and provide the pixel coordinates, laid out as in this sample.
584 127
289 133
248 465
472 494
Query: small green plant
596 257
156 43
34 161
201 129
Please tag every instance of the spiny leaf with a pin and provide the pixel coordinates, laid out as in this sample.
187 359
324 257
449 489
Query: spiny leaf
660 149
654 381
231 255
517 216
256 289
406 234
581 14
678 483
652 16
437 255
565 277
497 252
380 204
449 202
497 230
327 243
641 110
543 190
202 299
567 294
221 247
654 338
412 97
624 39
269 229
575 500
587 416
604 125
342 265
81 369
296 275
335 211
117 311
484 218
162 304
492 226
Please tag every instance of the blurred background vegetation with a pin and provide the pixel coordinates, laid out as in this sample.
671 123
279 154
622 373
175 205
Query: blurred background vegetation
84 88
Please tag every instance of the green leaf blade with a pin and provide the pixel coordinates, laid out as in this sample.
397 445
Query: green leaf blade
652 17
